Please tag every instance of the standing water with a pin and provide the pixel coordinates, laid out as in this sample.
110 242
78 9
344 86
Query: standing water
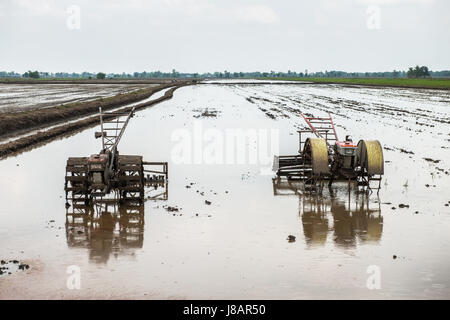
227 229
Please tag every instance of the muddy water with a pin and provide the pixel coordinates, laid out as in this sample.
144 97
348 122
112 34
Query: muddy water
154 96
237 247
19 97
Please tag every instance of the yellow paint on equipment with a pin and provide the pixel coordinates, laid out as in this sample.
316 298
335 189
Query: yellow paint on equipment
318 150
370 156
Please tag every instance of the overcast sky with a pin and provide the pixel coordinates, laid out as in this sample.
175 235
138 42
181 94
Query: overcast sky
217 35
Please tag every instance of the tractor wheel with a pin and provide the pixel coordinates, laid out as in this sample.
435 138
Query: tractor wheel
315 153
315 164
131 178
76 180
369 156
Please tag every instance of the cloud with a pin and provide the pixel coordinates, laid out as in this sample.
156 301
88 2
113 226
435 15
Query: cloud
388 2
35 7
224 12
213 12
257 13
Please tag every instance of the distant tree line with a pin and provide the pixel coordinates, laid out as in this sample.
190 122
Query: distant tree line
11 74
413 72
31 74
418 72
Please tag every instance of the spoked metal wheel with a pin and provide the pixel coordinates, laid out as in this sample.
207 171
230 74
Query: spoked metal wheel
131 179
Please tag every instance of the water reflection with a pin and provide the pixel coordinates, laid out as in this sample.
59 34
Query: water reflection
108 225
346 218
105 228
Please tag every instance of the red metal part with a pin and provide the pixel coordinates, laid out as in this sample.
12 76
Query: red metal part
97 158
326 124
332 125
346 144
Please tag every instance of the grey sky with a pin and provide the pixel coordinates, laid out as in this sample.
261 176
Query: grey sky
217 35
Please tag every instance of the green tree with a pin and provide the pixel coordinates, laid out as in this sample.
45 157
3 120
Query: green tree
424 72
31 74
410 73
101 75
418 72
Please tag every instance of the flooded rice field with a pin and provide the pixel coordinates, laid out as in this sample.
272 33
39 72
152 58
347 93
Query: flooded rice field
226 229
20 97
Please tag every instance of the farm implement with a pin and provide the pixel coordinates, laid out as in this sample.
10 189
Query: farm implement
93 178
323 157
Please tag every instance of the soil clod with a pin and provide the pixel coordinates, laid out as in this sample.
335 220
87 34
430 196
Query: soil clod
24 266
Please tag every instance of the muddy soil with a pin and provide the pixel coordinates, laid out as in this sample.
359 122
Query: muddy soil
42 137
20 121
137 81
227 230
20 97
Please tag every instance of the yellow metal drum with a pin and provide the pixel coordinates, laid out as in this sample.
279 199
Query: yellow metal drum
370 156
316 149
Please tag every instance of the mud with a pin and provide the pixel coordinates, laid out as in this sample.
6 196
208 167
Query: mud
19 98
204 113
13 122
11 266
251 82
237 247
40 138
85 81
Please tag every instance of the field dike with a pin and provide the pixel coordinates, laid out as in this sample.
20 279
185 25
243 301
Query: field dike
12 123
41 138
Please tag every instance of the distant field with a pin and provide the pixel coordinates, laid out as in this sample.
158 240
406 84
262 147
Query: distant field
22 97
84 81
410 83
